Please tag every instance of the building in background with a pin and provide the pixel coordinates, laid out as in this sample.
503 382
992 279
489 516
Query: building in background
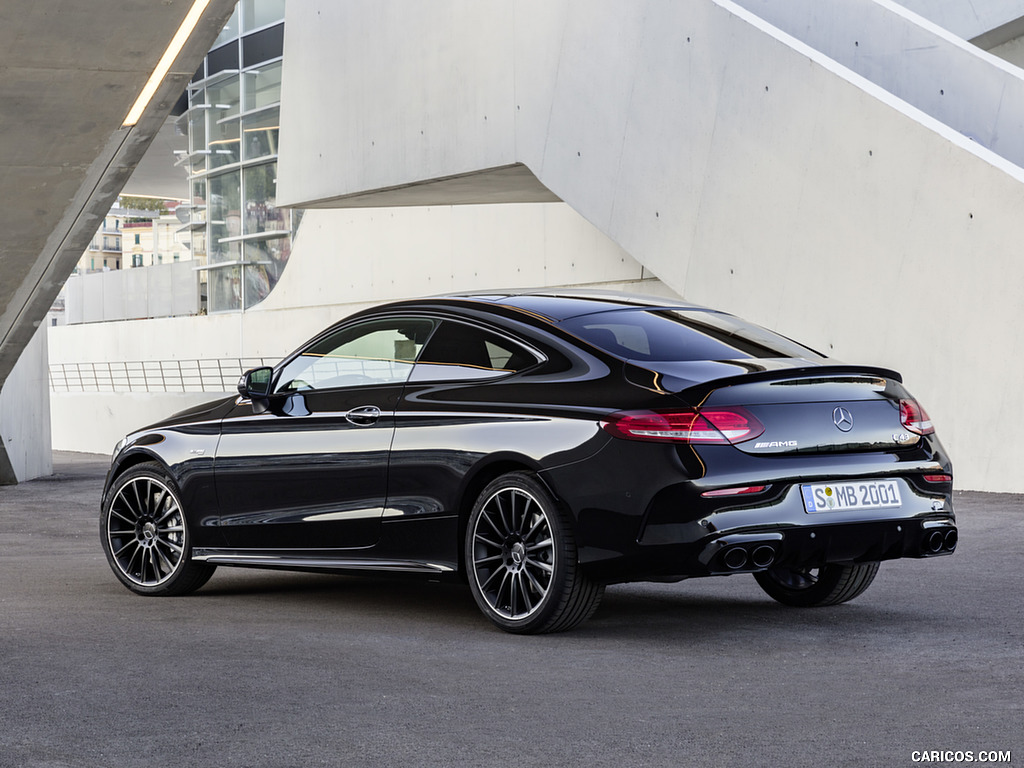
104 251
239 237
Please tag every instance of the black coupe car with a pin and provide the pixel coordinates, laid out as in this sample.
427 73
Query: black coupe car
540 446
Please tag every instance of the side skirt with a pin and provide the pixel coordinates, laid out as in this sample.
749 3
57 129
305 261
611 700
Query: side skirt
318 562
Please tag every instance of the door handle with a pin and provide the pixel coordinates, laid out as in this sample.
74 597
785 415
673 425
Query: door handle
363 416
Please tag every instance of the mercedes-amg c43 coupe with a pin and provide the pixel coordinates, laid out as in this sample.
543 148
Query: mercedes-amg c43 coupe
540 446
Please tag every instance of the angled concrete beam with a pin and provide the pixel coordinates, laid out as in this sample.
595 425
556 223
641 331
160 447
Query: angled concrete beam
70 73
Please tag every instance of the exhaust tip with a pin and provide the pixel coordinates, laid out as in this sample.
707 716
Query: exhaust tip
934 542
949 541
763 556
735 558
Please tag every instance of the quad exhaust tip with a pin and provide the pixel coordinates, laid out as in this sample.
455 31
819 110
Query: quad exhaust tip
940 541
757 555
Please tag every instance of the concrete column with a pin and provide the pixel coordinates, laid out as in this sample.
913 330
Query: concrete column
25 447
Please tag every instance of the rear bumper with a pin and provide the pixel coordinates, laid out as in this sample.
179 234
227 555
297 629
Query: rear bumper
778 532
818 545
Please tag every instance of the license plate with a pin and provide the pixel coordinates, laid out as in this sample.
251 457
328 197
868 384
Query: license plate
851 496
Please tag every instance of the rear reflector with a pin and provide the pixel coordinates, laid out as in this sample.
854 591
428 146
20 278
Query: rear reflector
734 491
712 426
939 478
915 418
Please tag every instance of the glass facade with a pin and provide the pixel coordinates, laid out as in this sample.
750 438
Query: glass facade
240 238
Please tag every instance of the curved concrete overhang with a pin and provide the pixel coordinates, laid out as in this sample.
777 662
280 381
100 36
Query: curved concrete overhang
507 184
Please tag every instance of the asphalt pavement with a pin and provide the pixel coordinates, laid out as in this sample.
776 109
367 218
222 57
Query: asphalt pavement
278 669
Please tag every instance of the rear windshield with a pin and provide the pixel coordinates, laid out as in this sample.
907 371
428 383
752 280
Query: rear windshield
666 334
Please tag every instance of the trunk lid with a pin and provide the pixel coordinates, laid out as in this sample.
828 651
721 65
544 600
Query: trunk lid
804 407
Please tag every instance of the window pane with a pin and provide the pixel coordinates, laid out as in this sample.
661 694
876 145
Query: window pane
224 289
260 132
261 211
225 57
224 143
660 335
259 13
225 217
263 86
262 271
223 98
261 46
197 133
459 351
230 30
379 352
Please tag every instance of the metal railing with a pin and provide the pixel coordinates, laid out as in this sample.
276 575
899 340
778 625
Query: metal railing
220 375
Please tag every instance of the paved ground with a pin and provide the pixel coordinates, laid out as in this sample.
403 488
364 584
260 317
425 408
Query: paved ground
267 669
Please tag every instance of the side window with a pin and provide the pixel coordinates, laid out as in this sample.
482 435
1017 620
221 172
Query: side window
460 351
377 352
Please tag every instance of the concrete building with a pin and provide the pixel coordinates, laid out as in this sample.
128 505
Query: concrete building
846 173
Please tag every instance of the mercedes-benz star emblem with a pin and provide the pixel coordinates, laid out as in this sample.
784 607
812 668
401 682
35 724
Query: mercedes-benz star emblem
843 419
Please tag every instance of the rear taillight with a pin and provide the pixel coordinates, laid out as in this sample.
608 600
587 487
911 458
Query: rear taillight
915 418
710 426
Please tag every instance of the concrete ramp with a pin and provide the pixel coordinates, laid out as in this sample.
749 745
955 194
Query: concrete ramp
744 167
939 73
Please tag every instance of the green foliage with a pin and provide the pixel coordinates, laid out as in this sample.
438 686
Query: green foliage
143 204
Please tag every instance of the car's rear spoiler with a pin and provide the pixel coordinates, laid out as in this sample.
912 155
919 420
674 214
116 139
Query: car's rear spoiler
695 380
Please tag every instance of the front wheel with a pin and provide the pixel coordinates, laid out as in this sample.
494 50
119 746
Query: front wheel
145 535
521 559
823 585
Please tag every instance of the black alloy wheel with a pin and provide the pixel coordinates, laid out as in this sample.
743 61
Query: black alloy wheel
521 559
817 586
145 535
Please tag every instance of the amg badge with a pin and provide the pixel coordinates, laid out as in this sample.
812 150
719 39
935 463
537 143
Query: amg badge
777 444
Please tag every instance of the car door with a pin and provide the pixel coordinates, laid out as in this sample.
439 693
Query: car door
307 468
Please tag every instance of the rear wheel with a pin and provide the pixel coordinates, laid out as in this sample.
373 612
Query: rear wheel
815 586
521 559
145 535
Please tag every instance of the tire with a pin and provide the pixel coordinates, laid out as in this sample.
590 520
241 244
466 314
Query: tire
811 587
521 559
145 535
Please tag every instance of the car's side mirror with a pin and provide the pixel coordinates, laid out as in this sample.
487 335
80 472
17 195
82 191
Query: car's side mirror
256 383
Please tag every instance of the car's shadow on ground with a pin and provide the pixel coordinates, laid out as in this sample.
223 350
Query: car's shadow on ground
650 612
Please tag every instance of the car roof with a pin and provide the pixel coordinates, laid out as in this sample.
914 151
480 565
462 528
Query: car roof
559 305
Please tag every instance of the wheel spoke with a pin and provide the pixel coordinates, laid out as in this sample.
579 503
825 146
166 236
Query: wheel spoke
546 544
494 574
501 511
490 521
537 586
492 544
546 567
131 543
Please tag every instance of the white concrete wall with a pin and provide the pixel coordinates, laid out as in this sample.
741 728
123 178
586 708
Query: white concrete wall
745 169
25 413
123 294
93 422
974 92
